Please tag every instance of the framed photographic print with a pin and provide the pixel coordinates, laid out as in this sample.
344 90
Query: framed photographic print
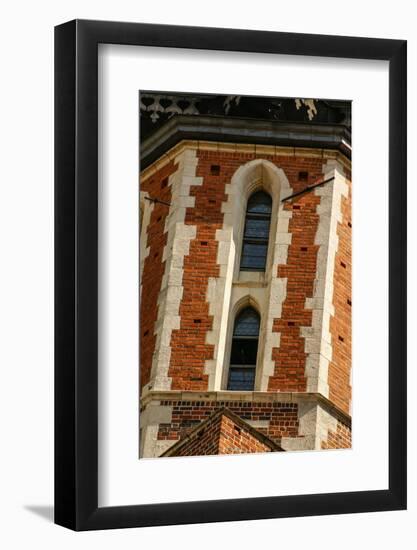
230 275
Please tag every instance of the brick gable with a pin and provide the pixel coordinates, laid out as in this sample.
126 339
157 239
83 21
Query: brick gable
223 432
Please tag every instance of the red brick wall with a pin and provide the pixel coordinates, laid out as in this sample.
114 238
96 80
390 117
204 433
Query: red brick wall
186 415
236 440
341 439
206 443
189 350
222 436
341 323
153 269
300 271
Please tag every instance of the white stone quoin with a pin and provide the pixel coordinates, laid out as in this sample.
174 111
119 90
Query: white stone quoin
179 237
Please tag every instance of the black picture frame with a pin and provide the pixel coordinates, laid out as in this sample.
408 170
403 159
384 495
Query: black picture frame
76 272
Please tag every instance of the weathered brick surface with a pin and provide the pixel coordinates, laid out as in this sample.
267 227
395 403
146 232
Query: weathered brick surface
236 440
341 439
341 323
189 350
300 271
221 435
154 267
207 443
186 415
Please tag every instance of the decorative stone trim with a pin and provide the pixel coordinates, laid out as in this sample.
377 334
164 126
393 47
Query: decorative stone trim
249 396
318 340
315 423
150 418
232 290
316 416
179 237
263 150
146 208
233 130
277 289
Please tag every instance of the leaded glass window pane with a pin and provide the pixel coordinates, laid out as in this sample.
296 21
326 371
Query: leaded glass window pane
254 257
241 379
259 203
247 323
256 232
256 228
244 351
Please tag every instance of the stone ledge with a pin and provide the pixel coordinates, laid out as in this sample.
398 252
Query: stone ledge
253 396
258 134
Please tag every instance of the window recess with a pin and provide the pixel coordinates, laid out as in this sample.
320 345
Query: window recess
256 232
244 351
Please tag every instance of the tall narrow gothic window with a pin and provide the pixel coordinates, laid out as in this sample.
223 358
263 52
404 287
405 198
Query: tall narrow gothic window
256 233
244 351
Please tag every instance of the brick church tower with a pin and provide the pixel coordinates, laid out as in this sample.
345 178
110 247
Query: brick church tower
245 266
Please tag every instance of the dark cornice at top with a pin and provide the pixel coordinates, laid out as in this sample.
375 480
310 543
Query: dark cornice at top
243 130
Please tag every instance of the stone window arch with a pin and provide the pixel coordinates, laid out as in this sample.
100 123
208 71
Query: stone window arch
236 288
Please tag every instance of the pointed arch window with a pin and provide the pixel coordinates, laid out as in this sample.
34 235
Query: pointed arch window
244 351
256 233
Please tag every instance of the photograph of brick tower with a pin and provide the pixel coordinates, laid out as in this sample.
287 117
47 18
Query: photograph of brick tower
245 274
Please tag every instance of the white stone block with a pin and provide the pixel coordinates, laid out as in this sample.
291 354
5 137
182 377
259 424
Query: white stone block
191 180
283 238
280 254
282 224
181 247
312 345
175 276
